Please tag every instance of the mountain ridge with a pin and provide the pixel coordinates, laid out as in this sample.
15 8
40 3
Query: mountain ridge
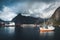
26 19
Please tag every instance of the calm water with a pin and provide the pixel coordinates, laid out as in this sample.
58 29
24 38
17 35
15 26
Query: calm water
17 33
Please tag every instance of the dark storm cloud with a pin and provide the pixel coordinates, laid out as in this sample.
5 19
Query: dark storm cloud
10 2
7 2
48 0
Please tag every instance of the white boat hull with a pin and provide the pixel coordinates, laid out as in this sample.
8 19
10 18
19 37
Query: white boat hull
51 28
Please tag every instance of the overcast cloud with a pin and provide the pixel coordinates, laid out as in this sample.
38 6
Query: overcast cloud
38 8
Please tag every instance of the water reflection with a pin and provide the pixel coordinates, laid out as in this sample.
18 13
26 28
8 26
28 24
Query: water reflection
15 33
9 30
51 33
47 35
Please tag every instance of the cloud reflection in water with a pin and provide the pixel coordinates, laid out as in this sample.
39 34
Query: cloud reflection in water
10 30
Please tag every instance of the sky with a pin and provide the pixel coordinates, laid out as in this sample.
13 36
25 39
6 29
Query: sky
34 8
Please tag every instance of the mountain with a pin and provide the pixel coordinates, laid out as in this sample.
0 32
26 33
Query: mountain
26 19
56 16
1 20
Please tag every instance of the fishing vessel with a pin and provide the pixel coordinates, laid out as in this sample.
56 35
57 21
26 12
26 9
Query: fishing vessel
49 28
46 27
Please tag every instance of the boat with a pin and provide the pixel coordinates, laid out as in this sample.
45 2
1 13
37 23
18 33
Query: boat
46 28
49 28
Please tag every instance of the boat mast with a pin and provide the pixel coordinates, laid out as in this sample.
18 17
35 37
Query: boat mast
44 23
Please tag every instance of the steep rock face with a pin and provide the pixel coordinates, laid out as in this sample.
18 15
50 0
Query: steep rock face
56 16
19 19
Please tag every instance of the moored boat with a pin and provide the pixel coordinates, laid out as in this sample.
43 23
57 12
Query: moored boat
47 27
